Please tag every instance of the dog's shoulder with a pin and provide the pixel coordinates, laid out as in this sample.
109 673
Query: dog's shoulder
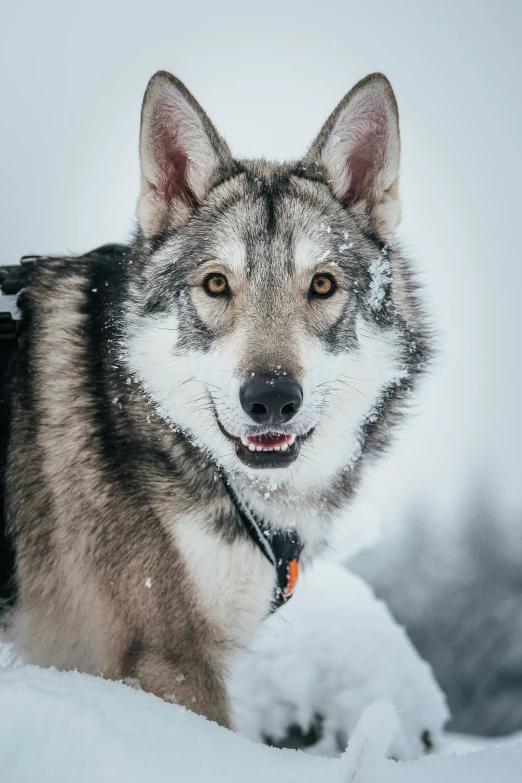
56 284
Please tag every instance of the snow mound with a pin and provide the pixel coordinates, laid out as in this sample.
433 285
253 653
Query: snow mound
321 659
58 727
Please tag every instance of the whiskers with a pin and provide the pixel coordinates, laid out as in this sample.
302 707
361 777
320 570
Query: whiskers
193 379
382 340
338 385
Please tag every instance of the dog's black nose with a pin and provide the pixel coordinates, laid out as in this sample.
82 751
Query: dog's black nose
269 400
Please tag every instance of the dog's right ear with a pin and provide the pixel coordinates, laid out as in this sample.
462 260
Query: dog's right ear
181 155
359 151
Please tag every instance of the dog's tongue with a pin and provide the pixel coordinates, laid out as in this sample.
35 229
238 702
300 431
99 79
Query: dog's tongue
269 440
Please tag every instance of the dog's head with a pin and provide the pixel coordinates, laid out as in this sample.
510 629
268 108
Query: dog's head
271 316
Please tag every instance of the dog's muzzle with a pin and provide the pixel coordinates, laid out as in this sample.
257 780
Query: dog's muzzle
271 402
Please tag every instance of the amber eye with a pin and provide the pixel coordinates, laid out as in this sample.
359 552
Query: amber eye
322 285
216 285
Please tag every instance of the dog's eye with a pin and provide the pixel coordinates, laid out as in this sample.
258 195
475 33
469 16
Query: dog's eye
322 285
216 285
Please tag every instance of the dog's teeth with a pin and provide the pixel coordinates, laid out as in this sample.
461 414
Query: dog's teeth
277 448
244 441
284 447
292 440
259 448
251 447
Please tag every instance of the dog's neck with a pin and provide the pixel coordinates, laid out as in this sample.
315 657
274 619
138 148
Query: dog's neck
278 504
282 508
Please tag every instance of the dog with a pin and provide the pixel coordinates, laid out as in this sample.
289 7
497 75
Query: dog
190 414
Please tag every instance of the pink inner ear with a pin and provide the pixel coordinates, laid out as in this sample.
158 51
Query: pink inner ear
171 160
367 126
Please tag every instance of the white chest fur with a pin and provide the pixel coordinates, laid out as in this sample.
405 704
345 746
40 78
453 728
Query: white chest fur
234 582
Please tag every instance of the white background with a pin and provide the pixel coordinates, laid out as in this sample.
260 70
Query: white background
71 81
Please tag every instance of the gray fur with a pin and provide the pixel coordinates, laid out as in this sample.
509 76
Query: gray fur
131 561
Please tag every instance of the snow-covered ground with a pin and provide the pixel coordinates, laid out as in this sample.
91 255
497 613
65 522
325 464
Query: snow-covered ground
326 655
333 651
63 727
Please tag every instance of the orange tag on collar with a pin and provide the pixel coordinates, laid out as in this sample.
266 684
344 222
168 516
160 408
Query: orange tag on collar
292 577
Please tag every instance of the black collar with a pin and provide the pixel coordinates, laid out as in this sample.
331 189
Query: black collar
282 550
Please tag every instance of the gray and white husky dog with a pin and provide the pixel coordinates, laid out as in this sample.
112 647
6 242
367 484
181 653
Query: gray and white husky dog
244 356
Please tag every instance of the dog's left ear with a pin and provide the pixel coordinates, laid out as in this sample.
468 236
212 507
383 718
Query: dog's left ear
359 151
181 154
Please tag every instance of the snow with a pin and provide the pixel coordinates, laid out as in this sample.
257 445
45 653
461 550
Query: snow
333 649
380 272
62 727
58 727
330 652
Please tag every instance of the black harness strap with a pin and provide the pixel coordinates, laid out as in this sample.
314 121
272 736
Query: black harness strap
282 550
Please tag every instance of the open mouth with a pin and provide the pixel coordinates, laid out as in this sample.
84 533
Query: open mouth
269 441
269 450
266 449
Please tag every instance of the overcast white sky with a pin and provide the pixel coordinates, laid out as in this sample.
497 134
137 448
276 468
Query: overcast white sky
71 81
